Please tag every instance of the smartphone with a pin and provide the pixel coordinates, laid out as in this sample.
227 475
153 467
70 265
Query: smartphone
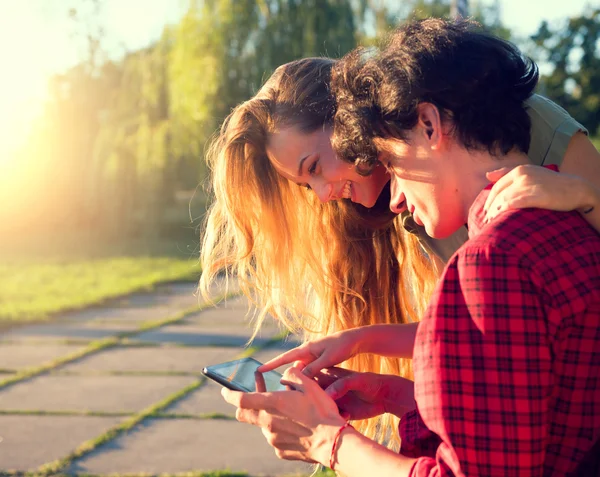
241 375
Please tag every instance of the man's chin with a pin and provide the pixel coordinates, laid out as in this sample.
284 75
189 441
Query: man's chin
435 231
439 231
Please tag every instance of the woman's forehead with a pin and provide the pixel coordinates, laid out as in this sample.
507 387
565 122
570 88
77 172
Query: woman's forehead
286 147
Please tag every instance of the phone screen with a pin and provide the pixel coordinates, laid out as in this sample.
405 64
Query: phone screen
241 375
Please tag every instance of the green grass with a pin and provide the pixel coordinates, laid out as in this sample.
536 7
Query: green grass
596 141
34 291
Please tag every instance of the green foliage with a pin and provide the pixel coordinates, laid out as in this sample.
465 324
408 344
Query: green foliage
488 15
122 141
573 52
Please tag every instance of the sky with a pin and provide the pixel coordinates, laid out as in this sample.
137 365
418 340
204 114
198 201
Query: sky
36 41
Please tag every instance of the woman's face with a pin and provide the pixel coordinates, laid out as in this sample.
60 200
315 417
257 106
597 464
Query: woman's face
309 160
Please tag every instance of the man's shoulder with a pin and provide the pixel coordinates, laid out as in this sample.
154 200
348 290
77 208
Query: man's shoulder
534 234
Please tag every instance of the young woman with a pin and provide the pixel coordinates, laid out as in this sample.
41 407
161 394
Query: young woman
507 357
320 265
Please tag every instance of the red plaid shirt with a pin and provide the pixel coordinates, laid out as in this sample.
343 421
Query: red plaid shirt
507 356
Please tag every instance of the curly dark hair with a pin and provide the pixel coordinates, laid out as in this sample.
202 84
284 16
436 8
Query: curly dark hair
477 81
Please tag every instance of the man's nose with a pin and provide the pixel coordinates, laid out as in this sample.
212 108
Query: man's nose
397 202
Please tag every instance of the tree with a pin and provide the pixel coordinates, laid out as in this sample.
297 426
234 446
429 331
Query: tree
488 15
572 51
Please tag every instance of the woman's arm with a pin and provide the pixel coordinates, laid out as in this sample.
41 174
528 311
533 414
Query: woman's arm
577 187
356 456
582 159
393 341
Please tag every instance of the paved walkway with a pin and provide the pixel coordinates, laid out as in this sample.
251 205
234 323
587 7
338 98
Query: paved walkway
118 390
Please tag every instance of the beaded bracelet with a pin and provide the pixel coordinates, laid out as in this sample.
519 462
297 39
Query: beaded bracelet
335 442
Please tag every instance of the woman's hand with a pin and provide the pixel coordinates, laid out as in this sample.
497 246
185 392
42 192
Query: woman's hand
321 353
365 395
539 187
300 424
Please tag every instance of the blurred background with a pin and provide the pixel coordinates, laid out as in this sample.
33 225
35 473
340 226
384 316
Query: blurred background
106 107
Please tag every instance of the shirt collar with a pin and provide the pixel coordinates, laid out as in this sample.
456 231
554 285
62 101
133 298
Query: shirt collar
476 218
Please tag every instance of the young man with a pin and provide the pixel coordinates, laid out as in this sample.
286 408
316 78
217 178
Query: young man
507 358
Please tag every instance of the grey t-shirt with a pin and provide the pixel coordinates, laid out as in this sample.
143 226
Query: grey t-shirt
551 130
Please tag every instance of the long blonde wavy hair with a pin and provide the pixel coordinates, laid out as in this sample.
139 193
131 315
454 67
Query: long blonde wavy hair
315 267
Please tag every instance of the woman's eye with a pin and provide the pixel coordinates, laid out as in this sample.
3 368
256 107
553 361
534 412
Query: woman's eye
313 168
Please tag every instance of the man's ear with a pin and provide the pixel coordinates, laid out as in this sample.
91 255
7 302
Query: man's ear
430 123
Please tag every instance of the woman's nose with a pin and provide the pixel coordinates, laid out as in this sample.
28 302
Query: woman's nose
323 191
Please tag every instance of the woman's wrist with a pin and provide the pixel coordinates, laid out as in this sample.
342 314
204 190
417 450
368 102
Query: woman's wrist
591 198
363 338
336 442
341 436
357 456
331 435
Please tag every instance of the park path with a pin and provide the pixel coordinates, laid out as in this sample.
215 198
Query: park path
118 389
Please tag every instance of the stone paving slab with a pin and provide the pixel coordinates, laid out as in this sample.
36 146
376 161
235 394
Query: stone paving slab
160 359
198 336
227 320
180 445
64 331
206 400
222 319
121 313
31 441
235 303
234 312
90 393
25 356
162 302
238 306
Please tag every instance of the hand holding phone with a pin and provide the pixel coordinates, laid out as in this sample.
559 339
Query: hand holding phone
242 375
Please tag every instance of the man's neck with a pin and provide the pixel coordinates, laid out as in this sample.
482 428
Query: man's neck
473 167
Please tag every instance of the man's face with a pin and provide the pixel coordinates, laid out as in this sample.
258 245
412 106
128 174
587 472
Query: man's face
423 181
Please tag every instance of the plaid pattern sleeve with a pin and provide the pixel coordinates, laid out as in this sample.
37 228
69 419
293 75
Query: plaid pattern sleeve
507 357
417 439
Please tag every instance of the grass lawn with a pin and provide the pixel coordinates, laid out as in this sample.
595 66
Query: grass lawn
33 290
